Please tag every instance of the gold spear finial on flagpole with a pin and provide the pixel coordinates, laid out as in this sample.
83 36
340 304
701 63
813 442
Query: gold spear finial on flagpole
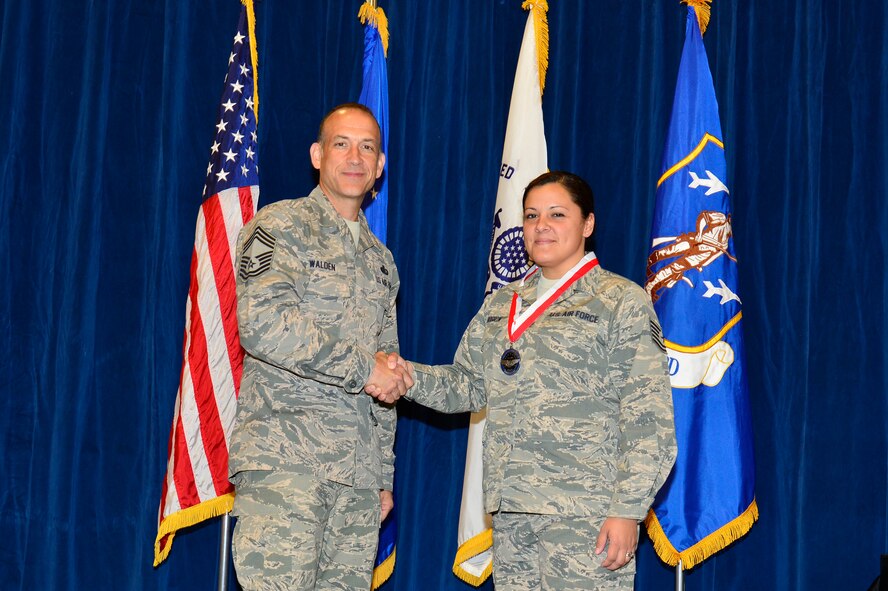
702 10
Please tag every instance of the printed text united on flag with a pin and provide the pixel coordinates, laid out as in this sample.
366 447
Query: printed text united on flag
196 484
709 499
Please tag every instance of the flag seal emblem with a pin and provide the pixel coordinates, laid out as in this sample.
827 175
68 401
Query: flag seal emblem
507 257
690 251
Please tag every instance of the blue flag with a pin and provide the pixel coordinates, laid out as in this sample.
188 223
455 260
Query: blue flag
374 95
709 499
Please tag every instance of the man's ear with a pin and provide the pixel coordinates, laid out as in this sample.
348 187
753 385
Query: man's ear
315 152
380 165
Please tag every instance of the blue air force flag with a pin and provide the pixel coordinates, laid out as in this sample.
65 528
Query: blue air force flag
708 500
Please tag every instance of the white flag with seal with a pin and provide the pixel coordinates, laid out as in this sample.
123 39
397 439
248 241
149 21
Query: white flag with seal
524 159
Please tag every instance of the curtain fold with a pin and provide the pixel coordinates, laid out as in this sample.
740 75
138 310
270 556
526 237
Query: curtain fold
109 108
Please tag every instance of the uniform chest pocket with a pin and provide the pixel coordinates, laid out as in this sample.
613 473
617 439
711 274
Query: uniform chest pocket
371 311
326 297
570 335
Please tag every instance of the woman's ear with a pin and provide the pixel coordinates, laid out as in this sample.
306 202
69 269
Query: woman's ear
589 225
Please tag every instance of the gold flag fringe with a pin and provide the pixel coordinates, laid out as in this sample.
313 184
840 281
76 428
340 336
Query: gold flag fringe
714 542
382 572
539 8
376 17
470 548
187 517
702 10
254 55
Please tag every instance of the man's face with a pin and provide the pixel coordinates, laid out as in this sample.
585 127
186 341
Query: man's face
348 157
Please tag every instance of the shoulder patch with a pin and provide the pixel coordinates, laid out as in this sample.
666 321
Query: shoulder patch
657 335
257 254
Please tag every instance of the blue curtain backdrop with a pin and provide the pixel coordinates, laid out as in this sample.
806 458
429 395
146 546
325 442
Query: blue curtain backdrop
108 115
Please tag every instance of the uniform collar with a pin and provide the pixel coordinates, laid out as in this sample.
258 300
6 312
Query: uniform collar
528 292
331 222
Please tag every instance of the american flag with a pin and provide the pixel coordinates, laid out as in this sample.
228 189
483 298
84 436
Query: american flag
196 485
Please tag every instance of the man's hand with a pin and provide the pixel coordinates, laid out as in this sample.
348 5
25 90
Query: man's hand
395 361
390 379
621 536
386 504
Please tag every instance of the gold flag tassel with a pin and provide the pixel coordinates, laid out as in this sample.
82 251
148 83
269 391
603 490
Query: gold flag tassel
374 15
714 542
254 55
539 8
702 9
382 572
186 518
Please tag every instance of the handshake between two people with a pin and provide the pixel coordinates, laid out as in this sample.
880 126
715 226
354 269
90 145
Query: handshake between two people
390 379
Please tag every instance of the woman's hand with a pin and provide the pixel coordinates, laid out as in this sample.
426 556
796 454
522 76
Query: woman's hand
621 537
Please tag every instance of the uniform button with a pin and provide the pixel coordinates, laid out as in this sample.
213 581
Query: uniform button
352 385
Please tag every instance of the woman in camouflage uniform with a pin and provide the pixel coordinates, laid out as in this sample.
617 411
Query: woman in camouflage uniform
579 437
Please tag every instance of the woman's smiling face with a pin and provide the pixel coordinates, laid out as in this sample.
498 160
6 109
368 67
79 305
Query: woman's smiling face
555 230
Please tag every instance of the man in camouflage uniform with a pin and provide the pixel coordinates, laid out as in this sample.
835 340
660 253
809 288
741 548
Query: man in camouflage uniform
580 433
311 454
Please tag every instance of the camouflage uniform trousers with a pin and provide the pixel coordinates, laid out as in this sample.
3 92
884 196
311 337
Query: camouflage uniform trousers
299 532
552 553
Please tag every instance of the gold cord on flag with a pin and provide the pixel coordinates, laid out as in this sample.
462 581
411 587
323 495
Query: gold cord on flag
702 10
374 15
254 56
539 8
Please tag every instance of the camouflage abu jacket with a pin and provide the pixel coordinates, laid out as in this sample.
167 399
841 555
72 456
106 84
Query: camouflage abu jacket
585 426
312 312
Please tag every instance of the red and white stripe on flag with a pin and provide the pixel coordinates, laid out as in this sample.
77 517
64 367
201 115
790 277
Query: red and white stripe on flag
196 485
